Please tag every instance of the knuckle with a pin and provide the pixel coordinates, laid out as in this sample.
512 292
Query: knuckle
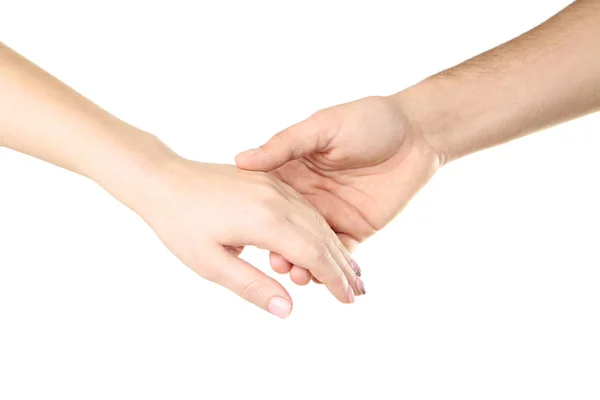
269 205
251 291
321 252
280 138
270 191
324 232
322 222
319 116
321 120
265 215
329 272
281 135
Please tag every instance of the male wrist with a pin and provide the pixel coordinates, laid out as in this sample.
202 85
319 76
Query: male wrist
433 115
450 113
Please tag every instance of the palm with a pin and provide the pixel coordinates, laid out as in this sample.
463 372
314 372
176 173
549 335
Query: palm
357 163
370 164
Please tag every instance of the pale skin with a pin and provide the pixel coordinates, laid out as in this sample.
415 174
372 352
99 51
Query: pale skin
204 213
360 163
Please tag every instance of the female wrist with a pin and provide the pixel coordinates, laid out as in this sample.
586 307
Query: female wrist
134 168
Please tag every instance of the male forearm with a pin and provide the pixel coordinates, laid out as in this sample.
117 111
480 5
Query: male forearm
42 117
549 75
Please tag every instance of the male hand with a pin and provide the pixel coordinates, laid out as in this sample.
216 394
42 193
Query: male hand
358 164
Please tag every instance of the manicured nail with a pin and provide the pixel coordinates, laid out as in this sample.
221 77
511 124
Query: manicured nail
280 307
350 294
355 267
360 285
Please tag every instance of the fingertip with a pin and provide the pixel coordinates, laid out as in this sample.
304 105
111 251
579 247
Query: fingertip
279 263
300 276
280 307
340 290
250 283
243 157
350 295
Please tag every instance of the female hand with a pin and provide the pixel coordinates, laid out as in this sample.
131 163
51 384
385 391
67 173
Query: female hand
206 213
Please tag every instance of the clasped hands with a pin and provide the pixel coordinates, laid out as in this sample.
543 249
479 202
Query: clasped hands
319 188
310 195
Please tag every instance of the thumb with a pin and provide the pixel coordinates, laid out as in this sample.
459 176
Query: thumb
250 284
297 141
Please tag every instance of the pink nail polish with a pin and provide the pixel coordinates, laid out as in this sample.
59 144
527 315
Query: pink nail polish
280 307
360 285
350 294
355 267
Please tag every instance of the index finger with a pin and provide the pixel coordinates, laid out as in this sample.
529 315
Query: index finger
300 247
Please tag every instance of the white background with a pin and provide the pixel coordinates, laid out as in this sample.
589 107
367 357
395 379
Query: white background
485 287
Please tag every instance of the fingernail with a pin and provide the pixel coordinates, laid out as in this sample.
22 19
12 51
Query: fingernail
355 267
350 294
360 285
280 307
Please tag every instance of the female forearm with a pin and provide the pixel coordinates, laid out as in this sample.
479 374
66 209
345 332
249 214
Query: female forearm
204 213
42 117
546 76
